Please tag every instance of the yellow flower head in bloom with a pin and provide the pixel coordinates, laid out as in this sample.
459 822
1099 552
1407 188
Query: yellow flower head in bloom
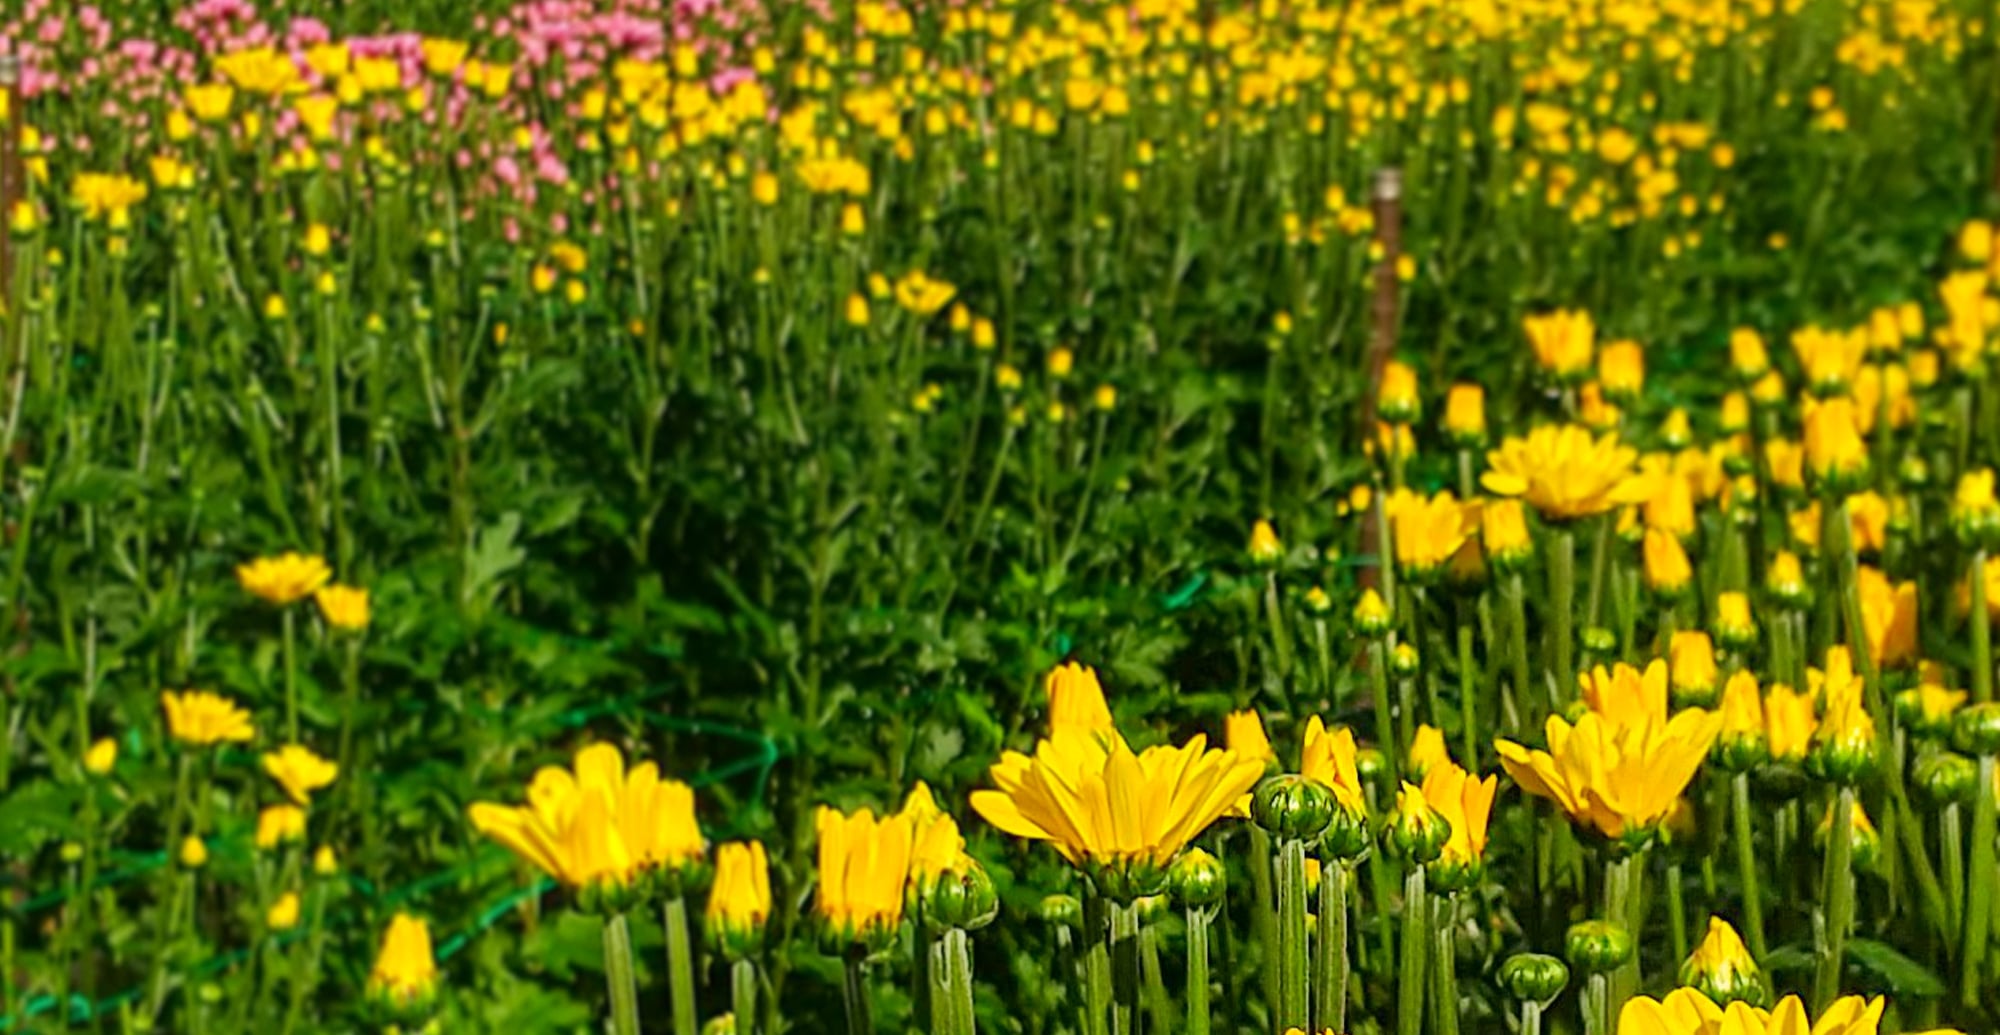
1243 733
102 756
1888 617
1668 570
442 57
405 972
1686 1011
1564 341
198 718
1786 578
260 70
1835 453
598 825
1465 413
1789 722
299 771
1265 548
1747 353
344 607
1428 532
1565 472
1691 657
1625 696
1669 505
1396 398
284 913
284 579
193 854
740 901
1741 741
102 194
1621 779
1503 533
1329 756
1106 808
863 864
1427 750
1466 802
1076 699
1845 740
921 294
1621 369
1722 967
278 824
936 845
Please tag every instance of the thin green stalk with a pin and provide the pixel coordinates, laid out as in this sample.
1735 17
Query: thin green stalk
1096 964
1198 920
1597 1013
854 993
1331 966
1468 694
619 977
951 983
291 679
1124 969
1159 1007
1837 900
1951 853
1444 969
1600 556
1676 912
1264 911
1979 896
1559 663
1982 631
1746 864
1531 1017
1624 898
1514 597
680 965
1385 724
1416 939
1291 1010
743 995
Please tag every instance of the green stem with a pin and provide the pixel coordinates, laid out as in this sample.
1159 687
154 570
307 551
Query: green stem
1600 556
1291 1009
619 977
854 993
1531 1018
1624 895
1837 899
951 989
1560 665
1385 723
1746 864
1468 695
1444 969
1096 964
1951 850
1979 897
1124 969
1264 911
1198 920
743 995
291 679
1597 1015
680 965
1330 1000
1416 938
1676 912
1515 598
1159 1007
1281 637
1982 632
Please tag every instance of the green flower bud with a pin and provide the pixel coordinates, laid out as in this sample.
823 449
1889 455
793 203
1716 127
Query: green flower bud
1198 878
1599 640
1403 660
1417 830
1370 764
1976 730
1347 837
1598 946
1947 779
1294 807
1534 978
1062 911
1151 909
962 897
723 1025
1722 968
1914 472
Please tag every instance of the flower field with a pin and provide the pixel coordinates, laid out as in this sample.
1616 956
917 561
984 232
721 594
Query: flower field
1433 517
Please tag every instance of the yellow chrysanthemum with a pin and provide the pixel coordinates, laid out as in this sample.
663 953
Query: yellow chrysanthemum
599 823
1565 472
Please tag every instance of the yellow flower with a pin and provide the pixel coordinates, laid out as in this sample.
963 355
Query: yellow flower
1625 696
1845 739
1243 733
1329 756
210 102
284 913
325 863
1563 341
1668 571
1060 362
299 772
1427 532
1565 472
1396 397
198 718
1465 413
863 864
1786 578
1503 532
260 70
857 310
1076 699
405 972
1734 625
740 901
1834 451
936 847
919 293
1789 723
1621 369
284 579
1888 617
1747 354
102 194
1691 655
764 189
1594 410
1101 805
1373 617
598 825
278 824
193 853
1427 750
1670 505
1742 733
1686 1011
1264 545
1975 241
1722 967
344 607
1619 778
1466 802
443 57
102 756
1975 512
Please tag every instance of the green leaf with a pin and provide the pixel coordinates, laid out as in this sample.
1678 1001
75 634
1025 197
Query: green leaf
1903 975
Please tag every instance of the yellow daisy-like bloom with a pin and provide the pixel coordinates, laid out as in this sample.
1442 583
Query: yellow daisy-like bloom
1427 532
1668 569
1076 699
1621 369
1565 472
1722 967
740 901
1427 750
1835 452
1328 756
936 845
1503 532
405 971
284 913
1789 722
1686 1011
1265 547
1564 341
864 862
1465 412
1101 805
198 718
299 771
599 824
1467 803
284 579
1625 696
1620 773
1243 733
344 607
1888 617
278 824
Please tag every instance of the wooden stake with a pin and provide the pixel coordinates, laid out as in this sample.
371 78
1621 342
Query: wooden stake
1381 335
10 169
